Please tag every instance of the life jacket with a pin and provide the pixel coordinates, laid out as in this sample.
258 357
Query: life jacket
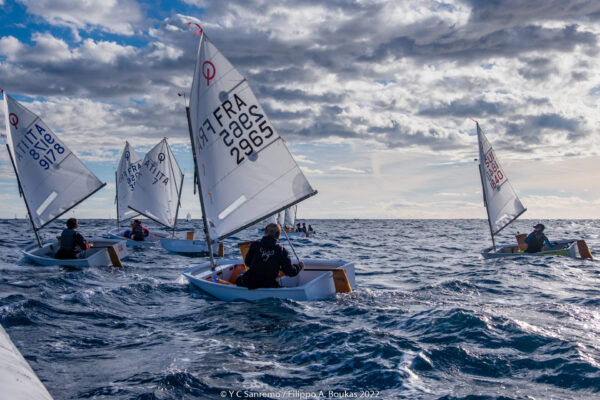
536 243
67 239
138 233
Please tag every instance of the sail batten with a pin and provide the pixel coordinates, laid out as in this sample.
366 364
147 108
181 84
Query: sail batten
502 203
53 179
158 186
247 173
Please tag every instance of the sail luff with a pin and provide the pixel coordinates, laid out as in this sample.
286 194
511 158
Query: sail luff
480 167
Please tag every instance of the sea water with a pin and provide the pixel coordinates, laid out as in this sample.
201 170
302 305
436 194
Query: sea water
429 319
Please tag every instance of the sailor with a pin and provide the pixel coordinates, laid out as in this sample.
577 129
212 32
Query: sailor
138 231
310 229
298 228
536 240
266 258
304 228
72 242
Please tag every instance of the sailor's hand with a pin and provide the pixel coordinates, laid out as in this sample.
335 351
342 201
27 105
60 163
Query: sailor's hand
87 246
301 264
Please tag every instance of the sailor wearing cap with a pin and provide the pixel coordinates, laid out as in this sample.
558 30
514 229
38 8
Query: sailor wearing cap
536 240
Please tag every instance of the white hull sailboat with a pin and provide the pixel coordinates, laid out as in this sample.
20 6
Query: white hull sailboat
192 246
235 147
152 240
503 207
95 256
52 180
314 282
156 194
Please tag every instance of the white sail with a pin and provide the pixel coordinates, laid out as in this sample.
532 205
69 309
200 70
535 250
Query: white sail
290 216
52 178
246 171
502 202
129 168
281 219
158 185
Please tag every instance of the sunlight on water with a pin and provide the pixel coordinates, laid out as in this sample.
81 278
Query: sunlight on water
430 319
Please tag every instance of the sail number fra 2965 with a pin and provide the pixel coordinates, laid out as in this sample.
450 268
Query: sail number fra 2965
43 147
242 129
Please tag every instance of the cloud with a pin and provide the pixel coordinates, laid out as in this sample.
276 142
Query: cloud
115 16
339 168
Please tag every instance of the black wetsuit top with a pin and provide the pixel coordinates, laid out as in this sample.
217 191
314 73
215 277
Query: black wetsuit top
265 259
71 243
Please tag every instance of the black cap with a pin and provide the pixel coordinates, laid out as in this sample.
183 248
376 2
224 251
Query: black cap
539 226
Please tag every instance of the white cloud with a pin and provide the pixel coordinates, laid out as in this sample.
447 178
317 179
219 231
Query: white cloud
116 16
338 168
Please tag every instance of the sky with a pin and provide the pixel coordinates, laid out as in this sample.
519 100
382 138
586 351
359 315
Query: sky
374 98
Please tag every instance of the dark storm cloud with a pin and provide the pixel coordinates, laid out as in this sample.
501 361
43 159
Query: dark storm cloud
537 129
468 107
508 42
398 135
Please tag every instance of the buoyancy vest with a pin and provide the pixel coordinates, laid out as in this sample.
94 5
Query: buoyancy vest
536 243
67 239
138 233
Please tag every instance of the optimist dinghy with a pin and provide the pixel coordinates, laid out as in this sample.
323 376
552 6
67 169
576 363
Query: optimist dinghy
317 281
152 240
52 180
95 256
503 207
235 148
156 192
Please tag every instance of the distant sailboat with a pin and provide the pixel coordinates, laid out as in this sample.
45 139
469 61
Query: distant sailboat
156 192
235 150
503 206
188 218
125 177
52 181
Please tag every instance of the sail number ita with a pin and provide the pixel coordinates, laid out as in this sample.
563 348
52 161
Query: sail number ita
493 171
42 147
242 128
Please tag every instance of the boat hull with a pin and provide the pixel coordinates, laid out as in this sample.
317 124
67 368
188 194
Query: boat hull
565 247
95 256
306 286
187 246
152 240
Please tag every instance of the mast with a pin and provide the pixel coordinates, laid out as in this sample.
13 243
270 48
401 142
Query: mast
483 189
486 207
117 198
12 161
197 174
178 204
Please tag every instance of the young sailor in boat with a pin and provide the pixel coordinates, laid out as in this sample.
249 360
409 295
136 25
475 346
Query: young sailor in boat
72 242
138 231
266 258
536 240
298 228
310 229
304 228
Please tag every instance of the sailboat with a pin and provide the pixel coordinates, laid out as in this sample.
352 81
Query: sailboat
52 181
235 148
156 194
125 177
503 207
